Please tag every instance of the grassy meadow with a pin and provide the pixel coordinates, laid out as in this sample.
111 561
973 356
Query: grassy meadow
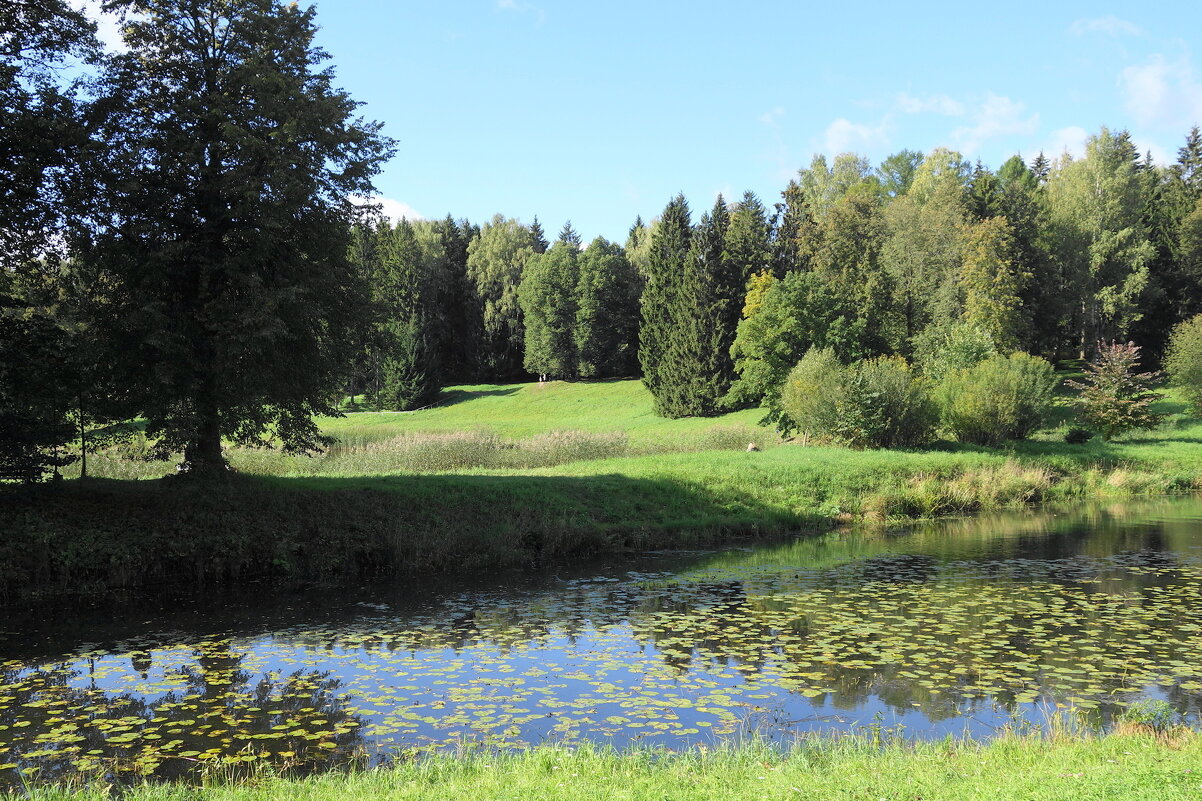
1134 767
515 475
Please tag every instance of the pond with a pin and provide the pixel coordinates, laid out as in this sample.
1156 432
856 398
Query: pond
959 628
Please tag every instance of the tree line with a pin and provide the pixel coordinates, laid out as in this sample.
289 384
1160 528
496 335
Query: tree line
179 246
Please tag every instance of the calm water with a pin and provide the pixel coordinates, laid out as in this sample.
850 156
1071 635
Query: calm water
958 628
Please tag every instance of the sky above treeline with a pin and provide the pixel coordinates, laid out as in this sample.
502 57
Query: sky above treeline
600 111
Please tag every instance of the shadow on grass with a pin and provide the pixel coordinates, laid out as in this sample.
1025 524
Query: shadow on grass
99 535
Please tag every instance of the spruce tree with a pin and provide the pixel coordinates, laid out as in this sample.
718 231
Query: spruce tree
538 237
658 321
406 294
1041 167
460 343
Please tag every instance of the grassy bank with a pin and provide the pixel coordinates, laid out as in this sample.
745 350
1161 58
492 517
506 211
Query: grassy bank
1130 767
510 476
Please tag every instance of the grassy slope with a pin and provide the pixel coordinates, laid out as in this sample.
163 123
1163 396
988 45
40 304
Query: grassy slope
1133 768
520 410
320 517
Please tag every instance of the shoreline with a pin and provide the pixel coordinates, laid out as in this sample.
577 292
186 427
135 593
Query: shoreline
86 539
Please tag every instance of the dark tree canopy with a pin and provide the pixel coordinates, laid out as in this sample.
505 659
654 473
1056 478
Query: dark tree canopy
223 215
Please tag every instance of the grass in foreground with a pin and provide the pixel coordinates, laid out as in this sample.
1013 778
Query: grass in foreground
1129 767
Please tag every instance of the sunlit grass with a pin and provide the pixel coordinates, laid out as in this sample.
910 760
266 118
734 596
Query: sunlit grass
1133 768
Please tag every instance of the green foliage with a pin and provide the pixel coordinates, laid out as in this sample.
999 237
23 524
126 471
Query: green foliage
1155 713
34 397
607 313
1114 398
922 256
41 126
1098 237
1078 436
549 302
876 403
943 350
495 262
404 290
991 281
1183 363
814 394
1002 398
222 183
790 317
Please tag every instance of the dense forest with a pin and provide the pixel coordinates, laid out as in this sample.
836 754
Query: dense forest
178 246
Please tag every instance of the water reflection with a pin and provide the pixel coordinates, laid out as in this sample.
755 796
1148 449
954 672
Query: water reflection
954 628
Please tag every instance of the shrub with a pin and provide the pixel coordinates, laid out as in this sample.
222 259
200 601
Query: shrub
1078 436
813 393
887 405
879 403
1114 398
941 351
1003 397
1183 362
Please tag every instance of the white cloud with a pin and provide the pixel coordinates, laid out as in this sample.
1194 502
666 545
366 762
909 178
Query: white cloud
844 136
939 104
520 7
394 210
108 26
996 116
1109 25
1069 140
771 117
1163 93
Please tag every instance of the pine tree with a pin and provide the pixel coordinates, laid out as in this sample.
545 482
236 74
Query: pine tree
459 344
1188 168
983 198
666 264
708 310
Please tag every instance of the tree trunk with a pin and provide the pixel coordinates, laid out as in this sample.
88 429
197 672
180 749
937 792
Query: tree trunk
203 455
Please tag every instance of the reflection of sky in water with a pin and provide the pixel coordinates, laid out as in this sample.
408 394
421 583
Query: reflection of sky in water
951 630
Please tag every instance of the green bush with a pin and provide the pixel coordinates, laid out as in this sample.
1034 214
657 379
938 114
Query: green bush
1078 436
1183 361
940 351
888 405
813 393
1003 397
878 403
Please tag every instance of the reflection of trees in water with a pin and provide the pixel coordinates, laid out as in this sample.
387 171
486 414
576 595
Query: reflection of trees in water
218 717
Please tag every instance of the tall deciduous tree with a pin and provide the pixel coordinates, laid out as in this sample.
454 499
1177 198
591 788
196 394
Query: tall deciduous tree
547 296
991 281
496 259
223 216
1095 207
607 312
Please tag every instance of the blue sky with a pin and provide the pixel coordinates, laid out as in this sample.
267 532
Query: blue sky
601 111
